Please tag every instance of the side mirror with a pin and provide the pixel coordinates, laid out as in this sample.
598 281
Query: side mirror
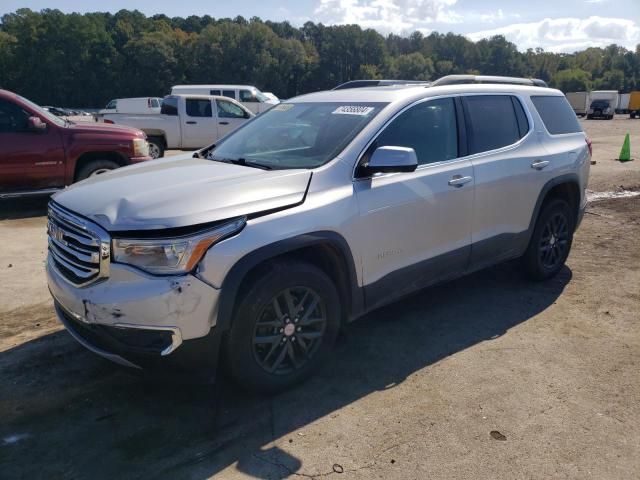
392 160
36 125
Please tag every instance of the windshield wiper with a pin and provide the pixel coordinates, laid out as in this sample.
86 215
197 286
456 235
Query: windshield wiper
243 162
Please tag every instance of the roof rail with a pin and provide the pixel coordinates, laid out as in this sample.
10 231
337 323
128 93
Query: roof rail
462 79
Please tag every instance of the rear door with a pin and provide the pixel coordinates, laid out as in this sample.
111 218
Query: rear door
230 117
199 124
28 160
504 150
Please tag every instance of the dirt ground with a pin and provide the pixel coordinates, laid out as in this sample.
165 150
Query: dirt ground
490 376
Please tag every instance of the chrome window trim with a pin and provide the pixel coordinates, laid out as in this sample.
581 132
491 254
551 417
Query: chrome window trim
518 96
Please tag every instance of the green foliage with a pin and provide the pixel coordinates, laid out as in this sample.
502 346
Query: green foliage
572 80
85 60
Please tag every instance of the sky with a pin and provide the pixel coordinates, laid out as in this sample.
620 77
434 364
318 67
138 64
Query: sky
555 25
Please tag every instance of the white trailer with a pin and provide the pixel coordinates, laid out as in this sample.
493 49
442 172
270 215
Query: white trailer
623 103
578 101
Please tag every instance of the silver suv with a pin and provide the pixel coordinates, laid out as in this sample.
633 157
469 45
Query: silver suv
257 249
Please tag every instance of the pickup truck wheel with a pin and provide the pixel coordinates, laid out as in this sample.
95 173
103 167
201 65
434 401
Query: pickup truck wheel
156 147
551 241
96 167
284 327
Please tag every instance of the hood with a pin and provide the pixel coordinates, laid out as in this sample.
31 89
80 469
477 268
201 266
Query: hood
104 128
181 191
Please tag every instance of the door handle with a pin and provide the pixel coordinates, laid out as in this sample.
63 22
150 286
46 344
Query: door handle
458 181
223 123
191 122
539 164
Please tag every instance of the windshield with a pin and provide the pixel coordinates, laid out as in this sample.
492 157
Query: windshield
600 103
297 135
261 96
48 115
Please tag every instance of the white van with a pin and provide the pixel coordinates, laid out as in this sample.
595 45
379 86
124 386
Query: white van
136 106
247 95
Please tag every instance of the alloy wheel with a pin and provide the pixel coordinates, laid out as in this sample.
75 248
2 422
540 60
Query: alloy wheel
154 150
99 171
554 241
289 330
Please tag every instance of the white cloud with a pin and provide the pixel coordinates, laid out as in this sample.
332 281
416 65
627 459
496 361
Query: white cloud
398 16
568 34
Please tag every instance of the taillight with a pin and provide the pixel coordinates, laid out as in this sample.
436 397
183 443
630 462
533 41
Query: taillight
111 121
588 140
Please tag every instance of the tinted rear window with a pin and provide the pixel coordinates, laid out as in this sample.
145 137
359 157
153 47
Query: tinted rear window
169 106
557 114
492 122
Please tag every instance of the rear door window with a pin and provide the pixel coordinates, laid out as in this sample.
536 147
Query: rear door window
214 92
199 107
491 122
169 106
557 114
229 93
523 122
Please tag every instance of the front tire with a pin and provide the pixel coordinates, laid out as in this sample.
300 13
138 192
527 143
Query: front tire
156 147
95 167
283 328
550 242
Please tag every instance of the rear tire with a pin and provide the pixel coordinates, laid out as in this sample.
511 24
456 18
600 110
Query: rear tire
96 167
283 328
550 242
156 147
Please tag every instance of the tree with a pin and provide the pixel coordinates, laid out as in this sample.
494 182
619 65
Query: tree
573 80
86 60
413 66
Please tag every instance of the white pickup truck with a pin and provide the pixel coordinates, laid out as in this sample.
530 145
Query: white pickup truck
186 122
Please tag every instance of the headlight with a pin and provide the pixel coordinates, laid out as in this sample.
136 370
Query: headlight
171 255
140 147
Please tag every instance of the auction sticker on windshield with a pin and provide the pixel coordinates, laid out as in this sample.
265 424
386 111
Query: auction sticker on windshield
353 110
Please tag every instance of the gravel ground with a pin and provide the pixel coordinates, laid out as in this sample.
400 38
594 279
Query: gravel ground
490 376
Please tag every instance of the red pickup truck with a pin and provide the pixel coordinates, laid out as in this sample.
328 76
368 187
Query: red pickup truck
41 153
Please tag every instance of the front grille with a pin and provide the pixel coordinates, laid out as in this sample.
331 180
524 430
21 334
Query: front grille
78 248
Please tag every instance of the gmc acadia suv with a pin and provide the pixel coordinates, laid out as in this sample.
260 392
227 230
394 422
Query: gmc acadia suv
257 249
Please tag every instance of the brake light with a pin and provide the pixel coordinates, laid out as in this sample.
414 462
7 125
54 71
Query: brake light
108 121
588 140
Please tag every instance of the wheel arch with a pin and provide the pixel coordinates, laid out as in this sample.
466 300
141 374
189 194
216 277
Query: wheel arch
325 249
89 157
565 187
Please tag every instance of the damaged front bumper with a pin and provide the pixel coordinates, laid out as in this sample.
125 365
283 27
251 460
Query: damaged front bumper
140 320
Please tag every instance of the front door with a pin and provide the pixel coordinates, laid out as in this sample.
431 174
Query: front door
29 160
230 117
415 228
